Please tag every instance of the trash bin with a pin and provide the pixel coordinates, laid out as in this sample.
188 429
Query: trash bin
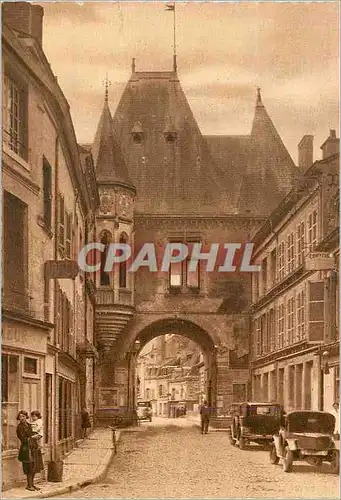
55 471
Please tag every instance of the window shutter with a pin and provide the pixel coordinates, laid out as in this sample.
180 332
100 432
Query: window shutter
68 235
316 311
61 223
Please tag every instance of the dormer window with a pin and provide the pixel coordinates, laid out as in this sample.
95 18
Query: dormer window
170 133
171 136
137 133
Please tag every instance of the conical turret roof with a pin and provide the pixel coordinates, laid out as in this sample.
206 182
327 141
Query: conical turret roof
270 170
108 159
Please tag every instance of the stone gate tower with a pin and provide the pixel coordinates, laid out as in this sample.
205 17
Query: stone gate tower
115 288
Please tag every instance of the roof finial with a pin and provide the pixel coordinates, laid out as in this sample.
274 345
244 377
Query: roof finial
133 66
106 83
259 97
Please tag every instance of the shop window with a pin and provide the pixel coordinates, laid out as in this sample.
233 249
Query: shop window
9 400
64 408
48 406
16 113
31 395
15 265
30 366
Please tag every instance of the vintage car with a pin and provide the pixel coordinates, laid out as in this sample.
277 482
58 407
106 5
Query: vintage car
306 435
256 422
144 410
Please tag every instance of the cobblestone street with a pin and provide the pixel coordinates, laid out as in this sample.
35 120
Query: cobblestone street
171 459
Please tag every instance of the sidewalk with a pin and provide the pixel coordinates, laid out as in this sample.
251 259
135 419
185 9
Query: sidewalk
86 464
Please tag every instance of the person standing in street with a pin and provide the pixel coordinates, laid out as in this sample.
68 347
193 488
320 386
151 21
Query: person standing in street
86 424
336 414
205 413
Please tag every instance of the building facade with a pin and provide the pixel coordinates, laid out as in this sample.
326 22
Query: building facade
295 318
48 198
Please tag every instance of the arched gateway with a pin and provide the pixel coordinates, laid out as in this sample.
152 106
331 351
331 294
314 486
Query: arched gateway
161 181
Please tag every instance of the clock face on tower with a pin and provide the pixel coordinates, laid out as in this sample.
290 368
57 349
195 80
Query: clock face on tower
125 204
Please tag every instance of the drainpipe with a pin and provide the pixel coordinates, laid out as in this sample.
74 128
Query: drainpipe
73 347
54 432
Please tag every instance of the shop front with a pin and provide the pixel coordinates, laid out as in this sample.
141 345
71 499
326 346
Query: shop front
23 357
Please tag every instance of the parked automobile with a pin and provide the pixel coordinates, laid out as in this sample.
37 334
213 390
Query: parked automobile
306 435
144 410
255 422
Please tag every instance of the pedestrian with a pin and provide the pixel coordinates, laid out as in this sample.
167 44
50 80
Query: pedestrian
37 427
336 413
29 454
86 424
205 413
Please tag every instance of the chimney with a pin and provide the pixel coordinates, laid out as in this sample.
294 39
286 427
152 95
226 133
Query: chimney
330 146
305 152
25 18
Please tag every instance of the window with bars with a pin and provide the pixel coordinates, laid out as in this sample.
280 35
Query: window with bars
300 243
291 252
300 315
291 320
281 261
312 230
15 122
47 193
281 325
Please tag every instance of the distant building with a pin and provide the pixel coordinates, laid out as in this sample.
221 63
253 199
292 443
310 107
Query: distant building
295 298
168 375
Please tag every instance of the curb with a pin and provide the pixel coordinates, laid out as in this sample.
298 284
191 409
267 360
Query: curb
61 490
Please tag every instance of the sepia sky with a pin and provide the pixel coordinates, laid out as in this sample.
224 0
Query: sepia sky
225 50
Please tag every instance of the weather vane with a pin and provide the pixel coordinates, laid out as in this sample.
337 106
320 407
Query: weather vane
106 83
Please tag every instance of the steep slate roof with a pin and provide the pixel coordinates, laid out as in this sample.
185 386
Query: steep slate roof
194 174
171 177
108 159
270 170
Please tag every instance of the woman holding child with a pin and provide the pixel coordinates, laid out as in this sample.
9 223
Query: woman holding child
30 435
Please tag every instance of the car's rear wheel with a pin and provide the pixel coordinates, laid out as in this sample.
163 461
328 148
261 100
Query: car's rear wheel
288 459
274 459
335 462
242 443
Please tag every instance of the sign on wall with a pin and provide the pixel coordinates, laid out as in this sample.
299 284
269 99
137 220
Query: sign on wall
319 261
